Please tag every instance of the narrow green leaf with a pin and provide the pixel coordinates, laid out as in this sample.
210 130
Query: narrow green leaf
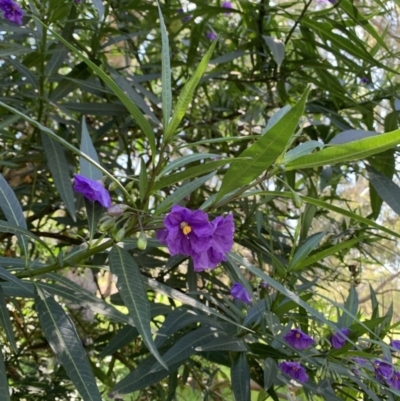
225 343
277 48
6 322
94 211
347 152
351 305
166 92
6 275
264 152
386 189
66 345
59 168
133 293
87 169
187 92
270 372
7 227
240 378
132 108
13 211
98 4
120 340
143 180
302 150
181 192
4 390
305 249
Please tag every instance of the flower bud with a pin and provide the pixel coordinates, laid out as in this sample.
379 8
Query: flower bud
296 199
113 186
116 210
120 235
129 186
142 241
107 225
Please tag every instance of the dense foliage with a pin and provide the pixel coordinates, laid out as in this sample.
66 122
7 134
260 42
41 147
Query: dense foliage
175 212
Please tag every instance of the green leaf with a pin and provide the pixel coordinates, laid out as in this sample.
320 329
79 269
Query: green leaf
94 211
386 188
264 152
13 211
270 372
143 180
303 149
98 4
59 168
277 48
4 391
133 293
6 275
166 91
132 108
87 169
187 92
347 152
64 340
181 192
240 378
225 343
305 249
7 227
123 338
6 322
351 305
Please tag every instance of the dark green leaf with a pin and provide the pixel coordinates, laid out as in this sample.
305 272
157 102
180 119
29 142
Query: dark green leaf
66 345
133 293
240 378
6 322
4 391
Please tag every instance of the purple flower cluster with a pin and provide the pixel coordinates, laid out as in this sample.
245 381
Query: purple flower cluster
92 190
190 233
240 293
294 370
11 11
298 340
339 338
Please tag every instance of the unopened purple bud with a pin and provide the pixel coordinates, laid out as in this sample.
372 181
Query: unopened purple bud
116 210
211 35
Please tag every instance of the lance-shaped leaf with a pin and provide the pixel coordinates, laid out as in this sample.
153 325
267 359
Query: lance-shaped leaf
225 343
262 154
6 322
4 391
150 371
61 334
346 152
131 287
12 210
60 171
186 95
240 378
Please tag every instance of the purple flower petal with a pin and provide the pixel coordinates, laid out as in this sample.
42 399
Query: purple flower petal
240 293
383 370
294 370
211 35
394 381
11 11
297 339
339 338
92 190
395 344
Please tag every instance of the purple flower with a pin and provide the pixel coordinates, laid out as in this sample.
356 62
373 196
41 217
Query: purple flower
264 284
359 360
364 80
186 18
92 190
338 339
395 344
11 11
297 339
186 232
394 381
383 370
240 293
294 370
222 242
211 35
227 4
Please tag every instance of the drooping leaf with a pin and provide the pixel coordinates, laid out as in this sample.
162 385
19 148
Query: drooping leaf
264 152
131 287
186 95
225 343
60 171
5 321
240 378
86 168
12 210
66 345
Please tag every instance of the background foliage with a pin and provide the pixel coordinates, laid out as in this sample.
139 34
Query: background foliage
289 120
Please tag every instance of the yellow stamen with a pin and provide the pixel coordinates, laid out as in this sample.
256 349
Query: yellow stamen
186 229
